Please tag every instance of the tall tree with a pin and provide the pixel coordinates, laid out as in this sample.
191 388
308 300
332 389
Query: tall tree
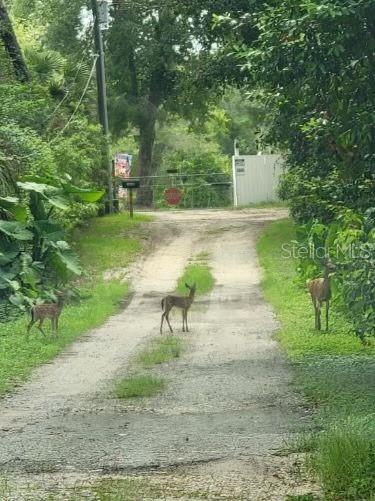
148 48
11 45
163 55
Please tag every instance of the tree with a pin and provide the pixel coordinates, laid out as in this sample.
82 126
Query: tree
314 63
147 48
163 55
11 45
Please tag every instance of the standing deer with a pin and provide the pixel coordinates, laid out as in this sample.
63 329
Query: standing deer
53 311
320 290
184 303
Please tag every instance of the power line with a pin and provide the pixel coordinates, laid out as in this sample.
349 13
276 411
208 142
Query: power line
70 88
79 102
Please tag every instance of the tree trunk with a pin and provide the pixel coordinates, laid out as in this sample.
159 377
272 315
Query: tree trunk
146 147
11 45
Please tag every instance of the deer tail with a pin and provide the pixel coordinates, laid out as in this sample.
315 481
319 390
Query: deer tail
162 303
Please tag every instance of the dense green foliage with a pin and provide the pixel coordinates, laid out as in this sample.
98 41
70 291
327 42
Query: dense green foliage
34 256
54 147
312 64
334 370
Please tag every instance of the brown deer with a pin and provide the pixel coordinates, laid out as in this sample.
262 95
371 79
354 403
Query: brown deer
53 311
184 303
320 290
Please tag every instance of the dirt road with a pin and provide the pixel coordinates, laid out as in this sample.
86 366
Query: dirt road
228 406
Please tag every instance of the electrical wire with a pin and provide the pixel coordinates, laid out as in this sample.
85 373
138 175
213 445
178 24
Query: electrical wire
79 102
69 90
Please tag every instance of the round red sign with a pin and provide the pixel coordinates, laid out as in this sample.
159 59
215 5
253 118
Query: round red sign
173 196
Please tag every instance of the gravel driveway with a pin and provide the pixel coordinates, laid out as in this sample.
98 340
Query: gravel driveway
228 407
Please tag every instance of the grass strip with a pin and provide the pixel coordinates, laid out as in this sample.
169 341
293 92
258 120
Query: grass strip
139 385
333 370
108 242
161 350
199 272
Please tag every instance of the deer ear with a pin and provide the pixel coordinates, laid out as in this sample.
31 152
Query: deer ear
187 285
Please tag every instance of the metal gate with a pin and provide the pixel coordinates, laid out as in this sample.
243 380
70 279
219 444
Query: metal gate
203 190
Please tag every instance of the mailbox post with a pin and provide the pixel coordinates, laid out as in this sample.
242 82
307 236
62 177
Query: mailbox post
132 183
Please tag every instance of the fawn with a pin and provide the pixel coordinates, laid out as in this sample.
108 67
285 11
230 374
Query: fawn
320 290
53 311
184 303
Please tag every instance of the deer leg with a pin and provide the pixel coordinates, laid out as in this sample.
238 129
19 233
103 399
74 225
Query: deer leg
161 324
186 322
167 318
314 306
55 323
32 322
40 326
183 320
318 312
327 314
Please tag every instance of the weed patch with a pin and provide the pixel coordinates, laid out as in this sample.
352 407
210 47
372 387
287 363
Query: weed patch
161 350
139 386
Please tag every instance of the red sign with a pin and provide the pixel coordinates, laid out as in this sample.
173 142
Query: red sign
173 196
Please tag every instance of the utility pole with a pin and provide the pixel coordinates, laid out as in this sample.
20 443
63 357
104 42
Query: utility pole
102 96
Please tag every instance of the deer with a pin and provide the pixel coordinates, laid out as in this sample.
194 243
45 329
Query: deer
320 291
182 302
53 311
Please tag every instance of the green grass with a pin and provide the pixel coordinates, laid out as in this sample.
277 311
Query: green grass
111 242
333 370
100 299
198 272
139 386
161 350
293 304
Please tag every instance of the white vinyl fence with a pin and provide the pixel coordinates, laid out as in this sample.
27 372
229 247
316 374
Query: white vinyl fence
256 178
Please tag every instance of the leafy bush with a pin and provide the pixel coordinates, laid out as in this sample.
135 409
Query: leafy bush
34 254
350 242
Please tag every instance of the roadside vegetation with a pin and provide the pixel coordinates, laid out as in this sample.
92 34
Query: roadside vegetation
95 298
334 370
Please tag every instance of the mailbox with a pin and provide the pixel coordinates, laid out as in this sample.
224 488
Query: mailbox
131 183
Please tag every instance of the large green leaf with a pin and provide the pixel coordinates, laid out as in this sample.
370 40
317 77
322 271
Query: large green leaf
90 196
8 251
13 206
6 275
7 257
15 230
59 202
38 187
86 195
49 230
64 263
70 260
